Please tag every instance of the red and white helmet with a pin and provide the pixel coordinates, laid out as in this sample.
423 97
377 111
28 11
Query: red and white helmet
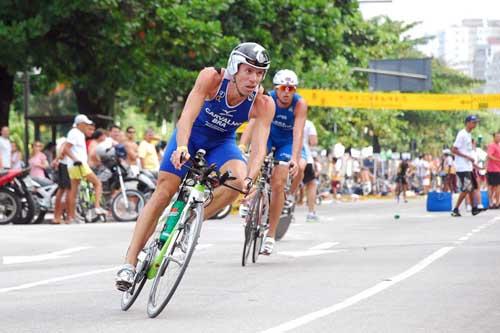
286 77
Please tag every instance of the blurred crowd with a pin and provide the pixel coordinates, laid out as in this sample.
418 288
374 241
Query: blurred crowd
53 160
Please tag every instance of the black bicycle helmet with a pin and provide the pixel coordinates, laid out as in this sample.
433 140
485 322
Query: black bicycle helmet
252 54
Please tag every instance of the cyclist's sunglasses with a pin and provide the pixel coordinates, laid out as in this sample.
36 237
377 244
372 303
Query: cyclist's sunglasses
287 88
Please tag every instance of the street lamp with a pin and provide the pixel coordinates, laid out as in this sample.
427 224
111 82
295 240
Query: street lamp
26 92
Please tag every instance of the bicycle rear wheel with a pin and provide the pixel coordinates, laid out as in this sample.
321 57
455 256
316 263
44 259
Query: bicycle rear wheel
175 263
251 221
129 296
284 223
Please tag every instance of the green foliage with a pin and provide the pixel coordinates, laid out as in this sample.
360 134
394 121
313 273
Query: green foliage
127 56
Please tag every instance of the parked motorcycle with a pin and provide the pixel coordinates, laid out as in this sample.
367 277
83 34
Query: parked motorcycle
119 193
44 192
16 202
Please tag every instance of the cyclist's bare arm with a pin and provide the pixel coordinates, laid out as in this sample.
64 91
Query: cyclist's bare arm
298 132
205 86
262 114
246 137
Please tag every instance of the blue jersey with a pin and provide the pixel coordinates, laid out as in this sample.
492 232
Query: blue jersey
284 119
218 119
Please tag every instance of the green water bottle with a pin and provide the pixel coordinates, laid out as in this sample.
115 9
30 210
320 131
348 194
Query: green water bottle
173 217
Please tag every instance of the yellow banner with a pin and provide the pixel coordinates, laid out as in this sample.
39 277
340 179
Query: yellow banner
400 101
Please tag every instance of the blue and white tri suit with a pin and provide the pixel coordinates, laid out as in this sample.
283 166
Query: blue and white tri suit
214 130
281 134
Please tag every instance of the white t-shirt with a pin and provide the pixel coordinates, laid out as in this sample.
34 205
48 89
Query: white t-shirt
5 152
463 143
309 130
78 148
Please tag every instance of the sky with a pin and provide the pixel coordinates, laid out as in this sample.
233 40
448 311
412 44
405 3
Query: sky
435 15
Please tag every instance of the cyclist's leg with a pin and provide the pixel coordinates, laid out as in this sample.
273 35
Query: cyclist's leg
167 186
298 178
168 183
227 156
224 196
278 182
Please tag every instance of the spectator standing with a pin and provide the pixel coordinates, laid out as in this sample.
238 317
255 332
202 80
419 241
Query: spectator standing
75 150
464 161
5 149
335 178
147 152
16 157
114 133
97 138
63 182
132 149
38 161
310 136
493 171
450 183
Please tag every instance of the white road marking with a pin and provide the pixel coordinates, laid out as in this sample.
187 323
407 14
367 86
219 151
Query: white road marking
476 230
301 321
57 279
463 238
324 246
308 253
9 260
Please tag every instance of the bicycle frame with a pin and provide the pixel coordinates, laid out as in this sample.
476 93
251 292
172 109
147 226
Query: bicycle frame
196 196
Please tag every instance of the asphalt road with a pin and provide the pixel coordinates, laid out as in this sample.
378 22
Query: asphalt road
358 270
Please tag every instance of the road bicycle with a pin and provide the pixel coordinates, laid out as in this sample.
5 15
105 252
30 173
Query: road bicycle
257 217
165 259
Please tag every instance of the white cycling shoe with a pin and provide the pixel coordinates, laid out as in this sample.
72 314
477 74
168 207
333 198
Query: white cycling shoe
268 247
125 277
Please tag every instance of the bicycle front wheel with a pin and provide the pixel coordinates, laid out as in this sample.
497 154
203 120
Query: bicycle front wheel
261 226
251 221
175 263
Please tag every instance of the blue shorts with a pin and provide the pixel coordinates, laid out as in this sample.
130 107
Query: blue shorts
219 151
283 152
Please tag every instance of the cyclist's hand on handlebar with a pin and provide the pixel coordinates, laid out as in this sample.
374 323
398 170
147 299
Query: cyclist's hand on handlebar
248 185
294 168
180 156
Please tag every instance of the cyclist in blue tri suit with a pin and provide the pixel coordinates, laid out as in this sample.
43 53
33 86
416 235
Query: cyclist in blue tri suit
220 101
286 137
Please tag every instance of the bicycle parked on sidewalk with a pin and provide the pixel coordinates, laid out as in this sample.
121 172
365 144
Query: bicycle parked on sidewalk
166 258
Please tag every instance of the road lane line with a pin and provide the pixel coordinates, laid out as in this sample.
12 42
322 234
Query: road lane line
324 246
57 279
308 253
9 260
301 321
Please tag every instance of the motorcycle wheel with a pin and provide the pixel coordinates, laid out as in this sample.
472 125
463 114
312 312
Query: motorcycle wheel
27 210
10 207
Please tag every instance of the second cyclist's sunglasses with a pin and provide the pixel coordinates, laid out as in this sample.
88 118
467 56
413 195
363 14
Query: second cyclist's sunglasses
287 88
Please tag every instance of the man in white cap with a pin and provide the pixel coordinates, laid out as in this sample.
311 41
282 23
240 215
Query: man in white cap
75 156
